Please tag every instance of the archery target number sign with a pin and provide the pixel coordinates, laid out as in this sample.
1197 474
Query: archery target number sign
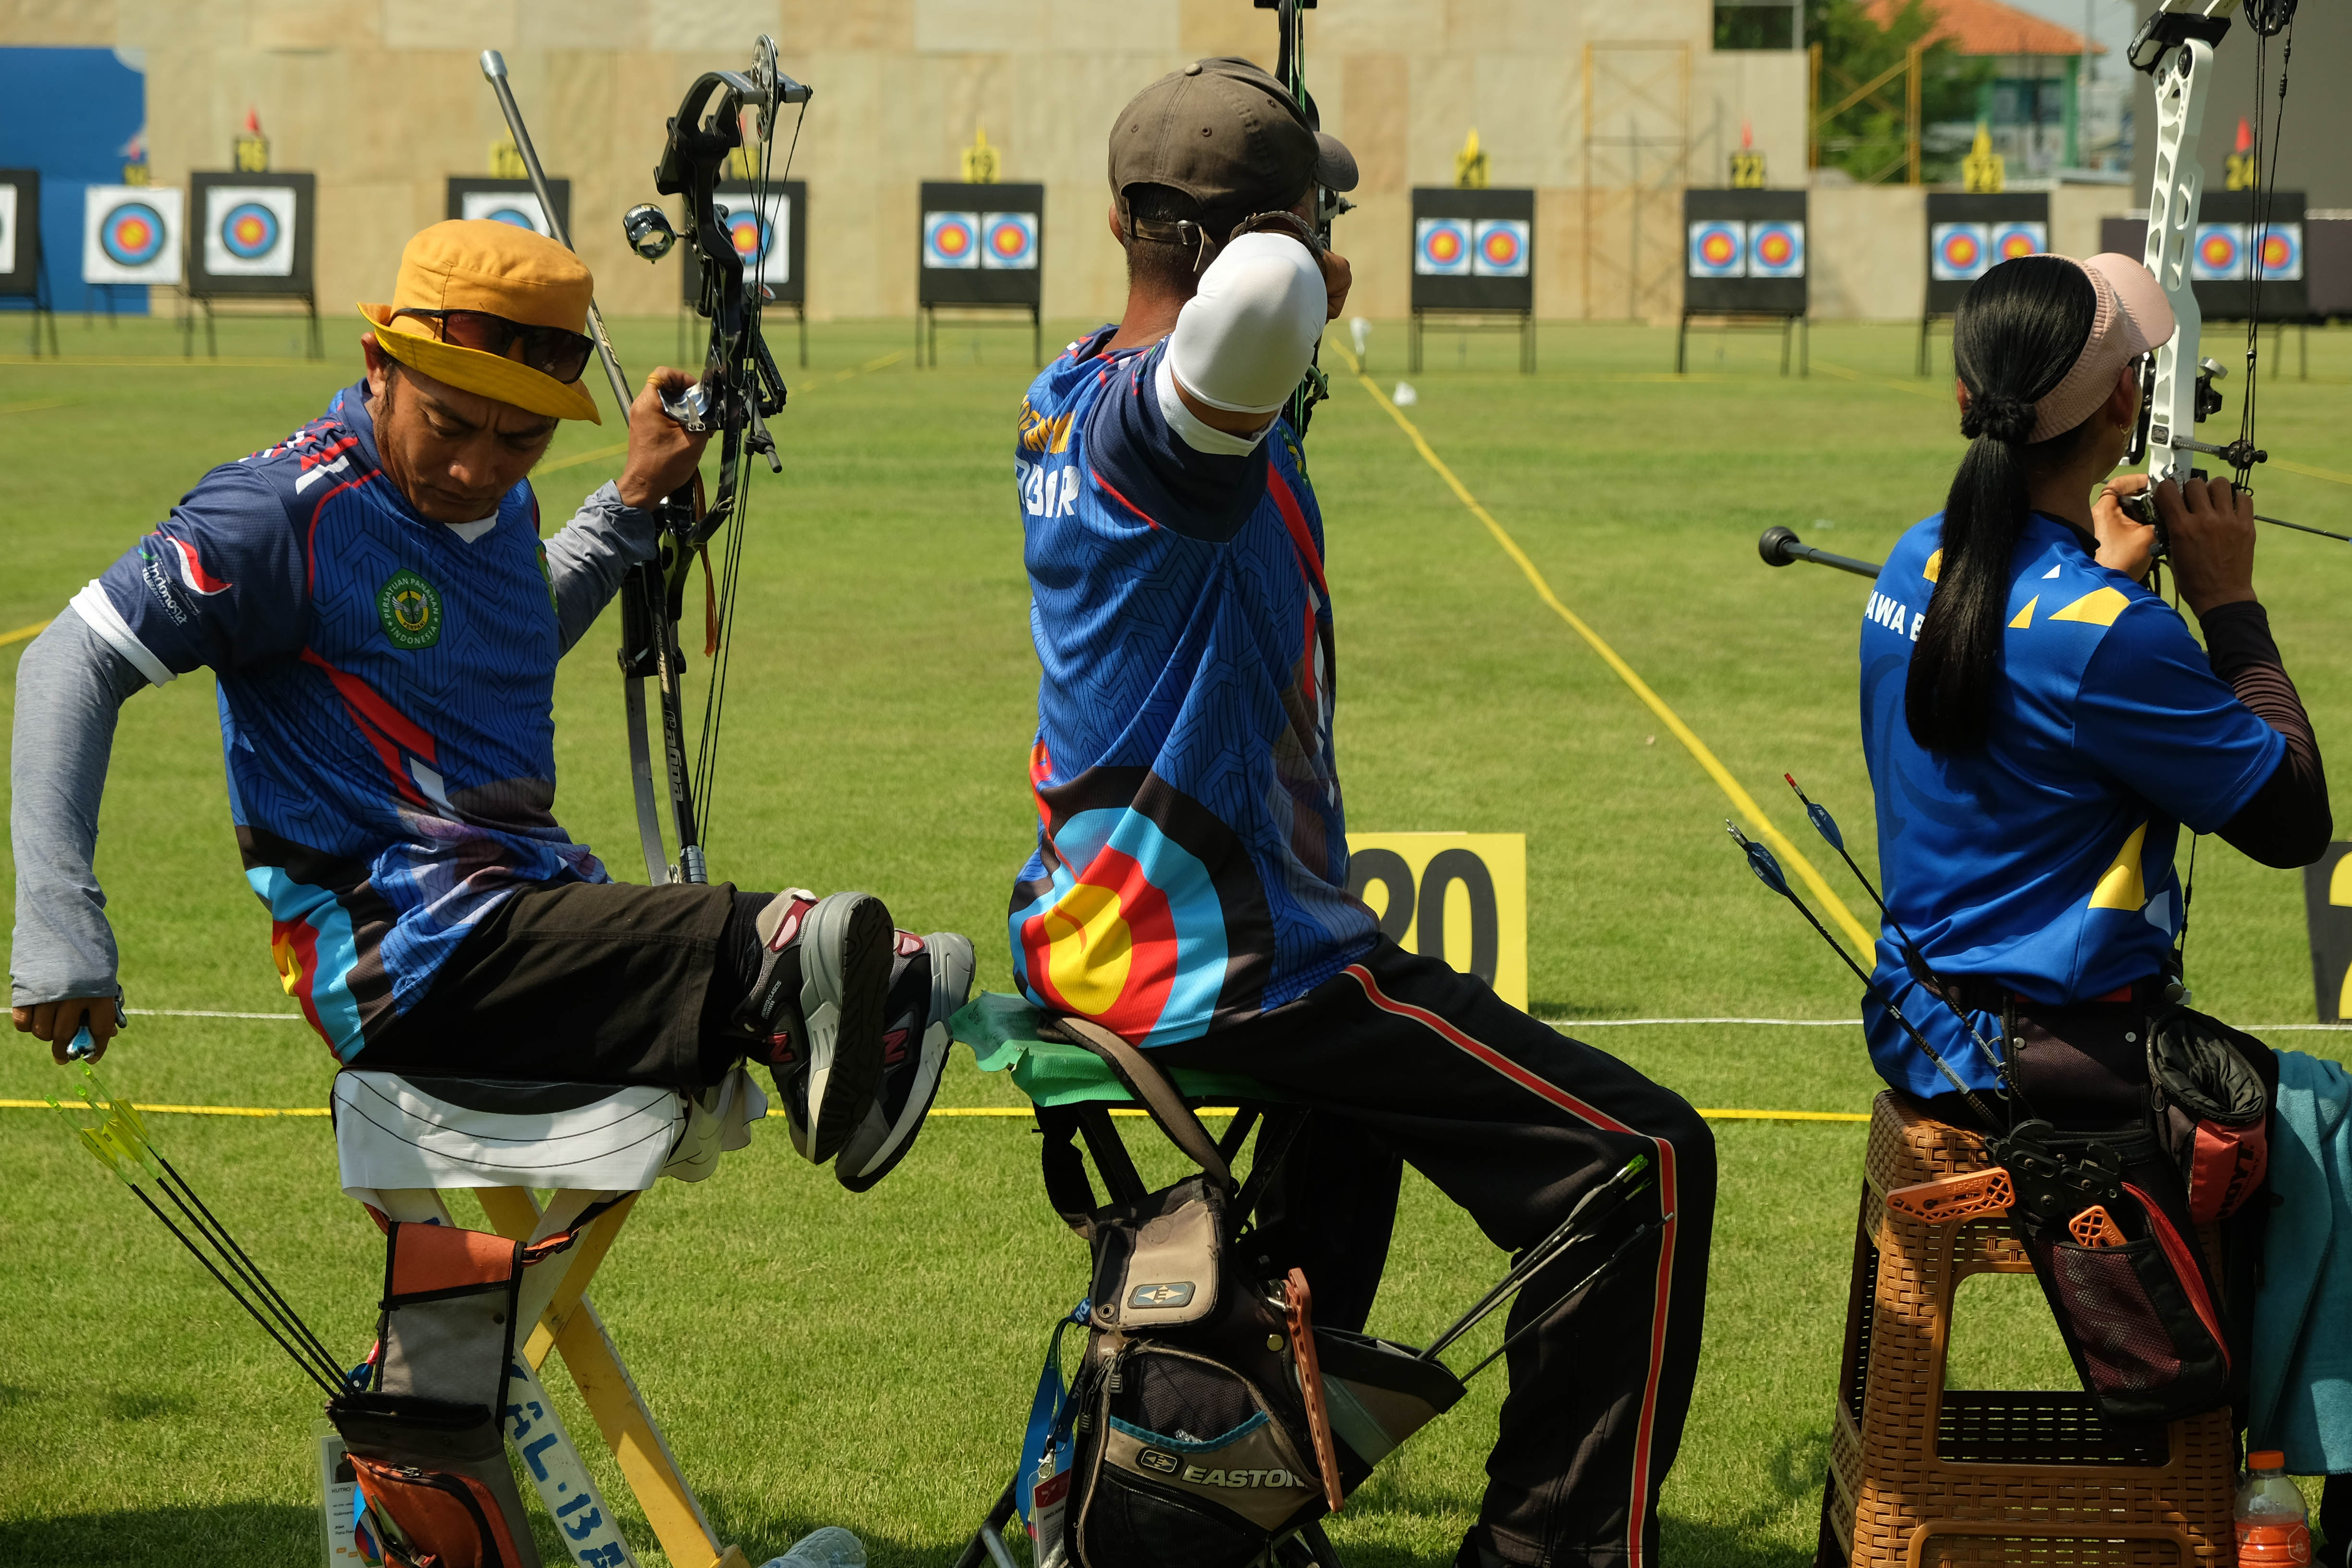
762 237
1461 897
1959 252
520 209
1440 247
1500 247
952 240
1719 248
130 233
1008 241
249 231
2008 241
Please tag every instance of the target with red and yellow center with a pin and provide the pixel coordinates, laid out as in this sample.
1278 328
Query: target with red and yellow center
1500 247
1440 247
1775 249
1719 248
1008 240
951 239
2011 240
249 231
749 235
133 234
2216 254
2282 257
1959 252
1135 939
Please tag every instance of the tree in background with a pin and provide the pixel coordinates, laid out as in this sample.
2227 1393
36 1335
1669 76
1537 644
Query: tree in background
1867 139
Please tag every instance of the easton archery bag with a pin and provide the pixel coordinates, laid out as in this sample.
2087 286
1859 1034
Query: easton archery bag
1208 1418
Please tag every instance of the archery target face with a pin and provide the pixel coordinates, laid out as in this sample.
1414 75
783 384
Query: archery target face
952 239
1719 248
1775 249
1498 247
130 233
7 230
1440 247
1008 241
520 209
763 239
2218 253
2011 240
2282 257
249 231
1959 252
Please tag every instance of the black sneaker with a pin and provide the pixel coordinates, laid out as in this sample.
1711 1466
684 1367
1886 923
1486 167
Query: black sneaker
818 1009
929 979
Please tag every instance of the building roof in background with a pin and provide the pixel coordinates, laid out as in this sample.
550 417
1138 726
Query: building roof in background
1988 28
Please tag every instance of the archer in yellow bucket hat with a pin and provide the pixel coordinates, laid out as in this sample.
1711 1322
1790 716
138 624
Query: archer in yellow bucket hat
495 308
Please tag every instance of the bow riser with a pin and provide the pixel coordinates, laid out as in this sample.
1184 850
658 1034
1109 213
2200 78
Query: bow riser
2173 402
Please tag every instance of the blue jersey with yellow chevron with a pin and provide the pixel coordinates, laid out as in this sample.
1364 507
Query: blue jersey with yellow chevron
2043 864
385 688
1192 859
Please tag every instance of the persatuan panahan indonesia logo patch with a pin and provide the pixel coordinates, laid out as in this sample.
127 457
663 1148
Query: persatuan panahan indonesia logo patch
410 608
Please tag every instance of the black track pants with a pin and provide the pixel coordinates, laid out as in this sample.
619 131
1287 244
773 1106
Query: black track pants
1402 1057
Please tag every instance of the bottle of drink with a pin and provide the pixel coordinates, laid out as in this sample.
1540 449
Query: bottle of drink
2274 1529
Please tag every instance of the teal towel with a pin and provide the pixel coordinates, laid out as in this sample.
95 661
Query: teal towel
2302 1375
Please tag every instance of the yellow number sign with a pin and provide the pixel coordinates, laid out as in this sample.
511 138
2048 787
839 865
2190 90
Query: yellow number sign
1461 897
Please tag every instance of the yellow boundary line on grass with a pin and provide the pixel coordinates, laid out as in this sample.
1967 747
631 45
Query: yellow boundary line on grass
942 1110
1740 799
23 634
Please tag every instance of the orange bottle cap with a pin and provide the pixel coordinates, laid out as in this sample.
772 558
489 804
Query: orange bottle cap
2266 1459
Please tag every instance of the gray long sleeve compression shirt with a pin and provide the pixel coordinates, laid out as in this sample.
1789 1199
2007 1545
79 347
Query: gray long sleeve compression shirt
71 683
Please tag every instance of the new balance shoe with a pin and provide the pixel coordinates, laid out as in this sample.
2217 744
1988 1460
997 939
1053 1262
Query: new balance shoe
929 979
818 1009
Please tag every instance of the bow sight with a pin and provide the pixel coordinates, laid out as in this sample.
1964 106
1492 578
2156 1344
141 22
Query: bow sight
1290 70
738 391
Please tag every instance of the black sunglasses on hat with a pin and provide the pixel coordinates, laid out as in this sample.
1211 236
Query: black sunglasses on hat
551 351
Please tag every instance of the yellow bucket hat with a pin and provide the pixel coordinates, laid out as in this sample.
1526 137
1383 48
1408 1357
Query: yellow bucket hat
479 264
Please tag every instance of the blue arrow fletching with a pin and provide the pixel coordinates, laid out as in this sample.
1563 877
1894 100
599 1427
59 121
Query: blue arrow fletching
1825 825
1767 870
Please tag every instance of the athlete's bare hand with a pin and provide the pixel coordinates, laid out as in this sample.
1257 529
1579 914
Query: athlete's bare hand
1338 278
59 1021
2125 546
2209 528
663 454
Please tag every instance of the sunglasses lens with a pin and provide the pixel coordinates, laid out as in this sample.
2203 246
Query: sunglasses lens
559 353
476 330
551 351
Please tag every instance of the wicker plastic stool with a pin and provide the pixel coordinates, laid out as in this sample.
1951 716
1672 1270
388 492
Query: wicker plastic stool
1925 1477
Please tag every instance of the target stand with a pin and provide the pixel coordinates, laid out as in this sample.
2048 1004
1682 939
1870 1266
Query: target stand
980 253
1473 267
773 243
1746 268
24 268
249 240
1969 235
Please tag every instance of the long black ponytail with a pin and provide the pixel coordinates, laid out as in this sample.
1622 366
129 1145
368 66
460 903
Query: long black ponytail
2018 331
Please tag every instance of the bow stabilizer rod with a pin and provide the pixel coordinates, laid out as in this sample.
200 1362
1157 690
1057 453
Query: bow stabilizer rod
1780 545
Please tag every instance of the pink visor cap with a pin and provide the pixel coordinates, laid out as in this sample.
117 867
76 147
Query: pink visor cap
2133 318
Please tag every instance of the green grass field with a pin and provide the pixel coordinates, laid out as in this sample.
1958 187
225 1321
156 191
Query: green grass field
818 1358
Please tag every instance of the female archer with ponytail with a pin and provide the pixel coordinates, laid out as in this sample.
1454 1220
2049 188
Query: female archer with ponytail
2039 725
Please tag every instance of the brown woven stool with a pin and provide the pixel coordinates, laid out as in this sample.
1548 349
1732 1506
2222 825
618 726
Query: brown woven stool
1926 1477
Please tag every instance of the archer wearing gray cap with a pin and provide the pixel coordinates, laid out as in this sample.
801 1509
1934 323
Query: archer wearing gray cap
1187 888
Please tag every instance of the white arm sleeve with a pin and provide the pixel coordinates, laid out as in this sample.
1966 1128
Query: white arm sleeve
1242 342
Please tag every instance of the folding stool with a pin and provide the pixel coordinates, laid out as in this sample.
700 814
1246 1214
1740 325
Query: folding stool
1069 1085
402 1140
1928 1477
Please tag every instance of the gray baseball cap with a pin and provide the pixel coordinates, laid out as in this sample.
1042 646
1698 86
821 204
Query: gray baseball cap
1225 134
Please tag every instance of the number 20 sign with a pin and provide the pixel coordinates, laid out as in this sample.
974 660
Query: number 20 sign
2327 909
1461 897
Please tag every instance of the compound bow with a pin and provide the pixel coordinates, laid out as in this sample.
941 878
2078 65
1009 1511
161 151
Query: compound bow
1290 70
2175 47
739 391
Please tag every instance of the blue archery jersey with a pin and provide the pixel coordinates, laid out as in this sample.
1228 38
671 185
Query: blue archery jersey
2044 863
1190 867
385 688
